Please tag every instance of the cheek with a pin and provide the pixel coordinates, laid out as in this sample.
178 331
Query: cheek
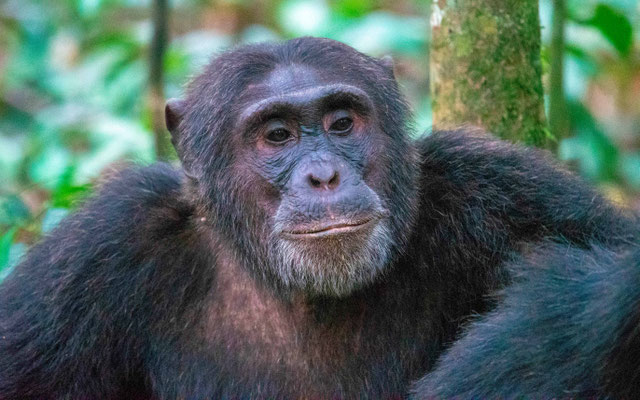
255 189
377 164
269 200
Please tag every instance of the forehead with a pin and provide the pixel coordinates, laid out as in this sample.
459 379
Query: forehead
292 78
301 88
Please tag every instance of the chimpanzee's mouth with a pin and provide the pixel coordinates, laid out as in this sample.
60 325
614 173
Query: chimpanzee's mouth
329 229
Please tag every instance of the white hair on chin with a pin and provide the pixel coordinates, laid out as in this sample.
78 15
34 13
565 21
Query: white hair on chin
337 268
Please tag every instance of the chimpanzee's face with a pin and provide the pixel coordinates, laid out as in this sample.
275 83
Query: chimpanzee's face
301 159
312 149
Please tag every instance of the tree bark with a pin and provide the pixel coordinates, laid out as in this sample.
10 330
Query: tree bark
486 69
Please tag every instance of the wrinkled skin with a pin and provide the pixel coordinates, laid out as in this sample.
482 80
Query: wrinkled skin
317 175
313 152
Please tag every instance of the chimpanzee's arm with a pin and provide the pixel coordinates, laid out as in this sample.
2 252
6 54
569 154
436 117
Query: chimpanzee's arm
569 326
73 314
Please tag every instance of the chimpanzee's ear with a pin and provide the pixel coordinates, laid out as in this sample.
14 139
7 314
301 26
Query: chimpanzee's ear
387 62
173 113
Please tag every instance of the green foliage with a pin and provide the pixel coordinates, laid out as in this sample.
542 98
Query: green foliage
600 65
10 252
589 148
6 242
13 211
71 104
614 26
356 23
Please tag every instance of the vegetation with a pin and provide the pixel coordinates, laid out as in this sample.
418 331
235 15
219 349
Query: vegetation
78 96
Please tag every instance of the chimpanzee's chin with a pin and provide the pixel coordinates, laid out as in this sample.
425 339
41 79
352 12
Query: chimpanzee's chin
334 263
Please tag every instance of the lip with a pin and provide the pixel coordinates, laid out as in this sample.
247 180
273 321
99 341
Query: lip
326 230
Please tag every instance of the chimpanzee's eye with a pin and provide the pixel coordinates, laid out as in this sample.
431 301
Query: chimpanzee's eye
342 126
278 135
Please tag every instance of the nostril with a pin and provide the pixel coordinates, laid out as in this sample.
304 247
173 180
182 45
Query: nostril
334 181
314 182
324 182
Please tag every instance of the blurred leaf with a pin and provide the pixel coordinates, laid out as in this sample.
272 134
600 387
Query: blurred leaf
88 80
583 58
13 211
257 34
52 218
304 17
48 167
352 8
379 33
577 73
423 117
13 149
614 26
120 39
592 151
6 241
88 8
57 117
630 169
200 45
17 251
584 8
124 94
113 139
67 194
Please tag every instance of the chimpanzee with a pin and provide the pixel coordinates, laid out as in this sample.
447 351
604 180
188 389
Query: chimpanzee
306 248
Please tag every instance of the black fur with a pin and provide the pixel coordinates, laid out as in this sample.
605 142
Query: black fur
567 327
156 287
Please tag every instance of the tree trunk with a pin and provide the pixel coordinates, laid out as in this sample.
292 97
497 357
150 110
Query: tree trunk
486 69
558 121
156 81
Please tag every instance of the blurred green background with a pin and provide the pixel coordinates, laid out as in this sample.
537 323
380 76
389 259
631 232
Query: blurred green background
74 86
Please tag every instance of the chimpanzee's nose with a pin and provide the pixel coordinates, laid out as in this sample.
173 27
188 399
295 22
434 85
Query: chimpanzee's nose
323 177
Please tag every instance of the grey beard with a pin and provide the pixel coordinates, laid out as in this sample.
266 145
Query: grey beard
333 266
